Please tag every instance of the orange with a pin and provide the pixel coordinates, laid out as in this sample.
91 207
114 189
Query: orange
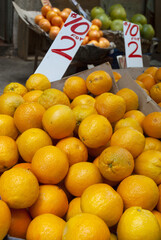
54 30
64 15
135 114
130 97
57 10
93 27
9 102
148 81
15 87
50 165
141 84
45 25
115 163
83 99
46 226
110 106
159 202
139 190
158 216
30 141
8 153
95 131
129 138
93 42
94 34
81 112
56 21
23 165
86 226
19 188
7 126
52 97
74 86
103 42
155 92
29 115
97 22
75 150
45 9
157 75
151 70
152 125
5 219
95 152
59 121
152 144
50 14
32 96
142 76
20 220
85 40
138 223
148 164
68 10
38 81
80 176
116 75
74 208
38 18
51 199
128 122
99 82
102 200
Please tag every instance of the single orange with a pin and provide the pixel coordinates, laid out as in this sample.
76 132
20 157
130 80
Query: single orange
138 223
135 114
45 25
74 208
68 10
54 30
104 42
38 18
20 220
32 96
110 106
53 96
19 188
139 190
94 35
50 14
74 86
95 131
102 200
99 82
93 27
59 121
151 70
128 122
83 99
51 199
8 127
142 75
157 75
30 141
152 144
130 97
9 102
152 125
80 176
46 226
57 10
64 15
129 138
29 115
155 92
45 9
8 153
37 81
148 164
148 81
115 163
97 22
15 87
56 21
76 151
50 165
5 219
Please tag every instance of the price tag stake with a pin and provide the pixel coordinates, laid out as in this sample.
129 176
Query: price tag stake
64 47
132 45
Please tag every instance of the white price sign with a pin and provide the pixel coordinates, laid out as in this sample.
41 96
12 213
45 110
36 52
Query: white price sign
64 47
132 45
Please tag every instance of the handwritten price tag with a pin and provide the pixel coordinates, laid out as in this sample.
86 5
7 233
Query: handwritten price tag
132 45
64 47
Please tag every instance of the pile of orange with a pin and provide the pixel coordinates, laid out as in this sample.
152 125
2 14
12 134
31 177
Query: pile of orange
82 163
150 81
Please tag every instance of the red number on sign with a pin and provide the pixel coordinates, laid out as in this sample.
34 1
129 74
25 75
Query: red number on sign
127 29
132 55
137 29
73 28
61 51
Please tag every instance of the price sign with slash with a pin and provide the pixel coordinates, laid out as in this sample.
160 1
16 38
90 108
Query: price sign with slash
132 45
64 47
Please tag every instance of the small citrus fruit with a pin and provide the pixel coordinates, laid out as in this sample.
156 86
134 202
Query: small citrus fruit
74 208
37 81
155 92
151 70
5 219
152 144
157 75
130 97
128 122
152 125
135 114
15 87
83 99
8 127
32 96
